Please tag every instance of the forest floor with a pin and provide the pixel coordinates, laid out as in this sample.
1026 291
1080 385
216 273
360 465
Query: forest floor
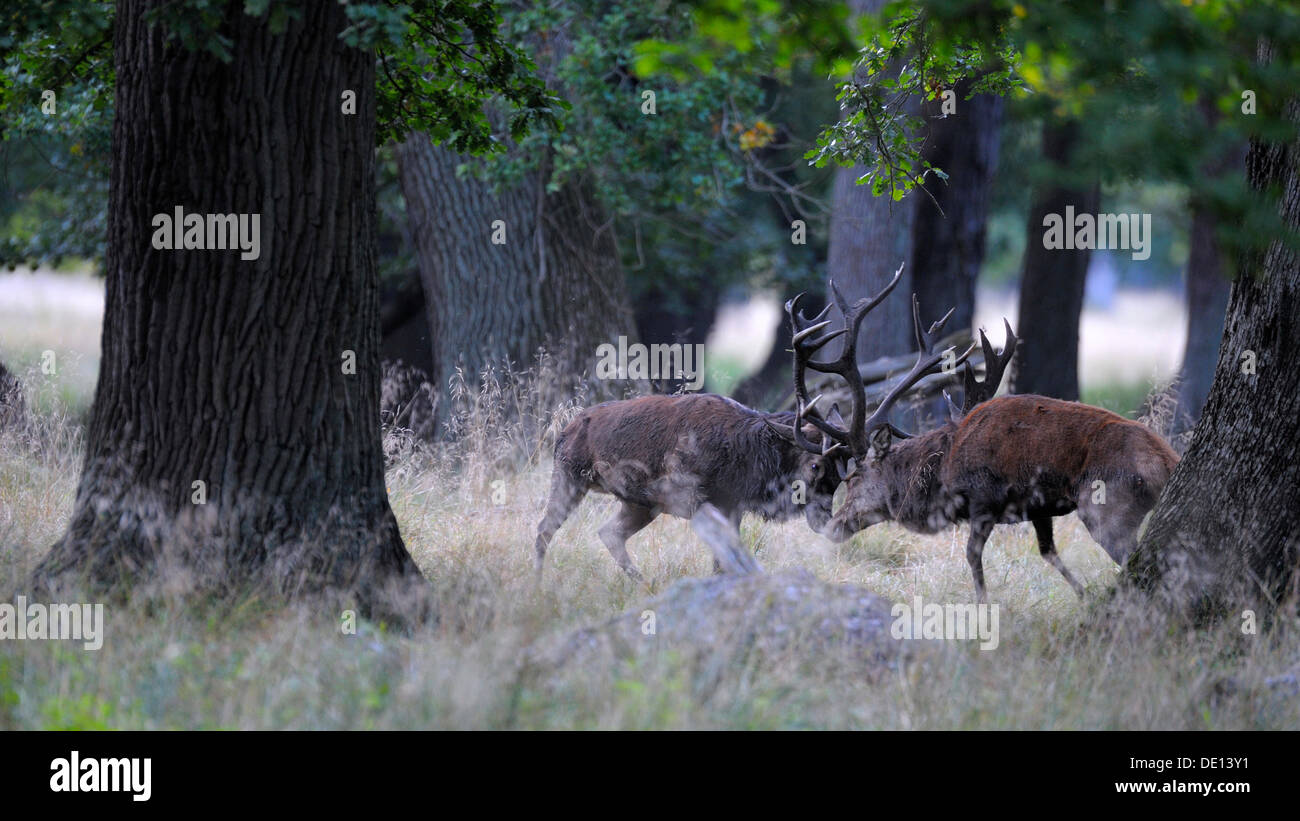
1059 663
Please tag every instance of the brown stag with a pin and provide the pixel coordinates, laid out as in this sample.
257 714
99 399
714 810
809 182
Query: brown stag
996 460
701 457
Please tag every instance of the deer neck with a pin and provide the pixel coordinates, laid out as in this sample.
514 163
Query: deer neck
916 497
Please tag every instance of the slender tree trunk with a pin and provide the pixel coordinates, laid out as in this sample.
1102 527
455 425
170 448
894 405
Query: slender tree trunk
1225 536
555 281
948 247
1052 281
869 238
1207 293
662 316
230 442
1207 300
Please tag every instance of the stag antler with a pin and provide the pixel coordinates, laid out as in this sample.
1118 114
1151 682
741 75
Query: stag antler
995 365
856 436
846 365
926 360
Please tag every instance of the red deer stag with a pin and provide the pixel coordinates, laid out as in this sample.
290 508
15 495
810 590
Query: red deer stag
701 457
1008 459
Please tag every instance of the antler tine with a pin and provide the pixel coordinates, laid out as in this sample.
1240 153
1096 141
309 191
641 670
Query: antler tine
954 412
820 316
853 316
803 349
926 360
995 366
846 365
925 341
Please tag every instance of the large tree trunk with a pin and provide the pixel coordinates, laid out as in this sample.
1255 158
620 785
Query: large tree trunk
943 246
228 372
556 281
1225 536
1052 281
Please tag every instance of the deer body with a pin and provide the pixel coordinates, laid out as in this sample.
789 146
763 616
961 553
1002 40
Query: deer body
996 460
1013 459
677 455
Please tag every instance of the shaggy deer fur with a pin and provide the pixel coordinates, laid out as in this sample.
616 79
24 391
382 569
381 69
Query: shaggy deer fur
678 455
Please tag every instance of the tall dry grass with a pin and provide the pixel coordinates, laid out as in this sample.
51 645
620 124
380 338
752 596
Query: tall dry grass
468 507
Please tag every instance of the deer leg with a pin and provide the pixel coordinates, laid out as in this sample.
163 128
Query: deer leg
980 528
615 533
1113 524
721 534
1043 527
734 518
566 494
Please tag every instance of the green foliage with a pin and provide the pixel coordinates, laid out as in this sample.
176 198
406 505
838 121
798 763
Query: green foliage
904 63
54 180
54 168
84 712
684 185
440 63
775 34
1124 398
1134 75
684 152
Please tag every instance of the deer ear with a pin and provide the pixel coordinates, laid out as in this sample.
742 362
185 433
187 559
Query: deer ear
783 430
846 468
881 439
834 416
954 412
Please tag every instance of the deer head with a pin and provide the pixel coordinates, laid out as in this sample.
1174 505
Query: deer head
876 465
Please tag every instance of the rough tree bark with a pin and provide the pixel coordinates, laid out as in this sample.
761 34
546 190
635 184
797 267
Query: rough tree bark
231 372
1052 281
555 282
1226 534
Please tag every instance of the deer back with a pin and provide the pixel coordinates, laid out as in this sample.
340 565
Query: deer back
1027 444
675 452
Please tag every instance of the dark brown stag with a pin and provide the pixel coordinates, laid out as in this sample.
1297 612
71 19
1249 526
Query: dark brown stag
1008 459
700 457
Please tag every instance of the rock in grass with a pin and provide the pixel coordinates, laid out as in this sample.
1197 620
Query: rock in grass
734 621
